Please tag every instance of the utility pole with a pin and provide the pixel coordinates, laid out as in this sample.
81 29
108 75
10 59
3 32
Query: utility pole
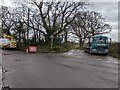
2 22
66 35
28 23
27 46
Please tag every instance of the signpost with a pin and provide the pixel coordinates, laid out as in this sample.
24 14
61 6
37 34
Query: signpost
52 37
32 48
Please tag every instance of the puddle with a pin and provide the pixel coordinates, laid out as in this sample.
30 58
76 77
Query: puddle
6 88
74 52
99 59
17 59
114 62
6 54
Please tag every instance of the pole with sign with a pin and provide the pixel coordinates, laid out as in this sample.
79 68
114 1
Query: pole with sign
52 41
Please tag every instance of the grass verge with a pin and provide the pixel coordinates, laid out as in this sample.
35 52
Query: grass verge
115 50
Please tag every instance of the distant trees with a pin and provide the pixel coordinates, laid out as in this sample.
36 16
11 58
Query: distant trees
53 19
7 23
55 16
88 24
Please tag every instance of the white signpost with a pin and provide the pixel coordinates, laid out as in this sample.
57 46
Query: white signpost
52 37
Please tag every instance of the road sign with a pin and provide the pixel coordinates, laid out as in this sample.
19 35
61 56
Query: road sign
32 48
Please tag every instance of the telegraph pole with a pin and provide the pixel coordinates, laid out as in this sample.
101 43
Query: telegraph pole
2 22
28 23
27 46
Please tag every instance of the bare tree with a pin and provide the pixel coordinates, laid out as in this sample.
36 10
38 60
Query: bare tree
55 16
88 24
97 24
7 23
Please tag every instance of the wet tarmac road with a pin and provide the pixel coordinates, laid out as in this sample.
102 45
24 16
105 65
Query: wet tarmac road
74 69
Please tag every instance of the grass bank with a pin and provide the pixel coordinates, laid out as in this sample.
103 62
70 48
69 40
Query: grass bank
114 50
58 48
64 47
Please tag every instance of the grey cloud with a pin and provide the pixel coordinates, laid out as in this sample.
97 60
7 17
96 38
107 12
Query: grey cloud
114 26
110 11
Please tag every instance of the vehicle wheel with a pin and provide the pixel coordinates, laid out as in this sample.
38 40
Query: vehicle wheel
106 54
84 50
90 51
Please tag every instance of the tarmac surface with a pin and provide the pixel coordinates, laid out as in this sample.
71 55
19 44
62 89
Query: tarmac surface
0 69
73 69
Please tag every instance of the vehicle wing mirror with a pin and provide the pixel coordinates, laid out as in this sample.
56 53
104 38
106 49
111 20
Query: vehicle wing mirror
110 40
90 44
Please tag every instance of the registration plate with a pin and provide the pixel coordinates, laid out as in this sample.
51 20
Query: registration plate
100 52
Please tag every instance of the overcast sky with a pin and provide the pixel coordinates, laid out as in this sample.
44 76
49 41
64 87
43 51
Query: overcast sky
106 8
110 11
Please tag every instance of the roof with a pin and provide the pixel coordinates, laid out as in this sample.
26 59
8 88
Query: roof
100 36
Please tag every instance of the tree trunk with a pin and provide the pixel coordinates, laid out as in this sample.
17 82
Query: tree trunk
80 42
19 37
34 36
48 40
39 37
66 35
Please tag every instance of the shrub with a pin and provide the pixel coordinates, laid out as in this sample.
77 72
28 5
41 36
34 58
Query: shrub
115 50
47 49
44 49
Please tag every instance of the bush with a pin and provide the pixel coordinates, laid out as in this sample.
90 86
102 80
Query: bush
47 49
21 46
59 49
63 47
43 49
115 50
